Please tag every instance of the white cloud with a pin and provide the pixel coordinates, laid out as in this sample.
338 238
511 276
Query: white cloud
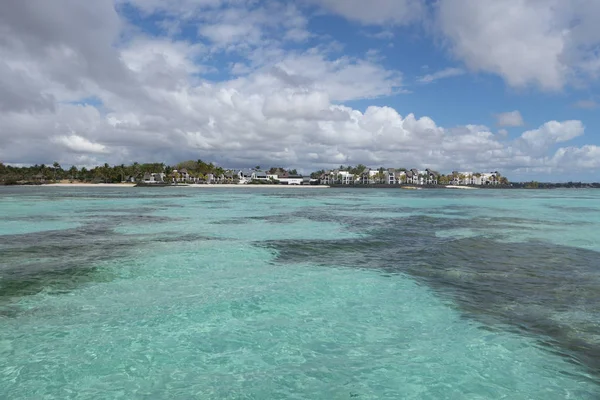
80 144
581 158
552 132
445 73
162 62
510 119
341 78
540 42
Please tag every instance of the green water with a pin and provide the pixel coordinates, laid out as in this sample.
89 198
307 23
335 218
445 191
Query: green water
298 294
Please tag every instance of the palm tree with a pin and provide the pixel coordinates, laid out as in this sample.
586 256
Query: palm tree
56 168
73 172
122 170
83 174
136 169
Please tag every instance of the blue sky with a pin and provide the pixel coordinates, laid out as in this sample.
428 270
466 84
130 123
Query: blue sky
509 86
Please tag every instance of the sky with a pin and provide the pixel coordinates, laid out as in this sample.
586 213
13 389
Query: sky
486 85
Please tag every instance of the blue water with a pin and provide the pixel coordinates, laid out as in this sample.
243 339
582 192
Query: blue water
132 293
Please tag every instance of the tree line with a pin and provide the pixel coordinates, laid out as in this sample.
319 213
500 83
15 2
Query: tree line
106 173
103 173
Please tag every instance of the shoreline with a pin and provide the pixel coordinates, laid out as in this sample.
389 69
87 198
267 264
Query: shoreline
216 186
269 186
460 187
84 185
233 185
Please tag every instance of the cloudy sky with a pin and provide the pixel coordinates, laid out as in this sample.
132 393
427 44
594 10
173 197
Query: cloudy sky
464 85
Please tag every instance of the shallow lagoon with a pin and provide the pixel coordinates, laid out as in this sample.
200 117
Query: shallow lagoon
270 293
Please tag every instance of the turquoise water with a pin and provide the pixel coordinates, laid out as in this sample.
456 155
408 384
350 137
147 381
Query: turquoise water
299 294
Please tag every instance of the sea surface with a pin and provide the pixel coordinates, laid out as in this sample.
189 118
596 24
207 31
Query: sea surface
183 293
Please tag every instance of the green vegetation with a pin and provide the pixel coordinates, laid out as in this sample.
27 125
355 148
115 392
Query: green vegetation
199 170
38 174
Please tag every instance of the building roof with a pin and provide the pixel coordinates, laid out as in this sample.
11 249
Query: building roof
246 172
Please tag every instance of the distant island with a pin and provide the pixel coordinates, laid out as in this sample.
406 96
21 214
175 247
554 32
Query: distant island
200 172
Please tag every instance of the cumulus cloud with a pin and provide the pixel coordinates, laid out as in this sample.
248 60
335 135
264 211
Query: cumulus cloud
541 42
585 157
80 144
552 132
509 119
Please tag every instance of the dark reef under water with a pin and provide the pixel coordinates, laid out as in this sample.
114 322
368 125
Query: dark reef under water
534 288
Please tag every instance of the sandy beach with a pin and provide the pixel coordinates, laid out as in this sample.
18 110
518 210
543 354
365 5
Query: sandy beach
460 187
223 186
88 185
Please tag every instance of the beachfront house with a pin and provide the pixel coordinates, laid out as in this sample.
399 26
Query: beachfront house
490 178
475 179
392 176
409 176
153 177
327 178
368 176
181 175
244 175
260 176
431 176
460 178
229 177
413 177
249 175
345 178
184 175
210 178
290 179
